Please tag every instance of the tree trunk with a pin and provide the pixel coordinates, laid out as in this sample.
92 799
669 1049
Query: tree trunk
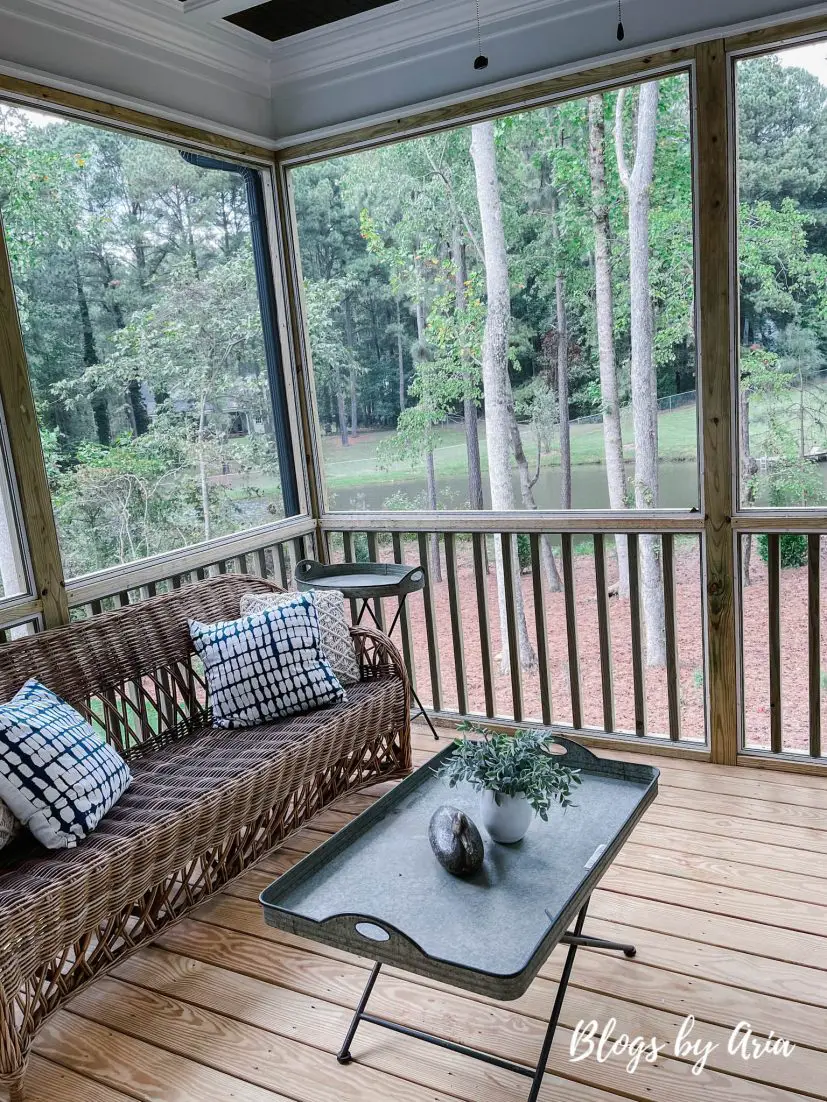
469 405
202 470
340 411
354 411
801 443
604 310
349 340
562 362
527 493
638 185
430 468
100 406
400 355
496 385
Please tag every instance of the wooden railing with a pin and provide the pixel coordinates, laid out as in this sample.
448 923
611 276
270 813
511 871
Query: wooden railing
270 552
590 672
782 673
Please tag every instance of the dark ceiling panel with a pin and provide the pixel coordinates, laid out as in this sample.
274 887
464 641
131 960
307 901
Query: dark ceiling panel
282 18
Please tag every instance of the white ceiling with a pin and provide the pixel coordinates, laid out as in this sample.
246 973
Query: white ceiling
195 66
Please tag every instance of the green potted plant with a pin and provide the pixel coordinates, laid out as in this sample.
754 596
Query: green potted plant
516 776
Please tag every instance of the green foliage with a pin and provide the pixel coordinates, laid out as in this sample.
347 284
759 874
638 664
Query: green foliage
512 765
524 551
792 549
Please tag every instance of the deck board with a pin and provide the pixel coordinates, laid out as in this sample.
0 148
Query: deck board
723 887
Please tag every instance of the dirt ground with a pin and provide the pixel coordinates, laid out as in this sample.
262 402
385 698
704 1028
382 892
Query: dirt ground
690 650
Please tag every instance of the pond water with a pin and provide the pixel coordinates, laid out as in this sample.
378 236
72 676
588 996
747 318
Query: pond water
678 489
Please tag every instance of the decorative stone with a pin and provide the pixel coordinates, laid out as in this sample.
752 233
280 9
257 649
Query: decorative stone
455 840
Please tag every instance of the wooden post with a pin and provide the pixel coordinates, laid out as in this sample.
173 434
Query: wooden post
717 388
814 602
38 519
310 433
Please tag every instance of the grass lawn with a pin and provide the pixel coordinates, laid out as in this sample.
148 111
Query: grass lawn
355 466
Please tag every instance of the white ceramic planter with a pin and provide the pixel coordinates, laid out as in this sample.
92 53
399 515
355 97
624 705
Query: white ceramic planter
506 818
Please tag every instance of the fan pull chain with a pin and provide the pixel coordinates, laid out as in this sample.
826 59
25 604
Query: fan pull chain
480 61
621 34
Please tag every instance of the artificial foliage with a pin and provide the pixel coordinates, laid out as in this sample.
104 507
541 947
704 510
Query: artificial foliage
512 765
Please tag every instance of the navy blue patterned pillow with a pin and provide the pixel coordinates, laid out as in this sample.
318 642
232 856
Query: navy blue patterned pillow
56 775
265 666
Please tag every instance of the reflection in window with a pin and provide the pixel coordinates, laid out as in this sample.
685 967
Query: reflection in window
137 291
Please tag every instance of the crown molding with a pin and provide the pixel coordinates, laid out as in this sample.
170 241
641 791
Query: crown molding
156 28
412 24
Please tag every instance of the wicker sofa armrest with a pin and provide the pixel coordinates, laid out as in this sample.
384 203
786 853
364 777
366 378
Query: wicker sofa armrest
377 656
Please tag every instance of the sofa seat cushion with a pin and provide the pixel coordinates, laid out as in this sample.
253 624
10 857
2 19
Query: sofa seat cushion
185 798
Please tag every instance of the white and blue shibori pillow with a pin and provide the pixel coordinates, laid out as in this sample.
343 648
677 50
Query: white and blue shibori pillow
267 665
56 775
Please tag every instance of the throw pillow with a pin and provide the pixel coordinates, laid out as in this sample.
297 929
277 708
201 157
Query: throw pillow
56 775
334 631
265 666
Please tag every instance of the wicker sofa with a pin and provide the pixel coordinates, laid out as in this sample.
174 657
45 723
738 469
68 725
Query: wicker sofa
205 802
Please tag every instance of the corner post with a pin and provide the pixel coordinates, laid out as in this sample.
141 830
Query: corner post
717 360
26 456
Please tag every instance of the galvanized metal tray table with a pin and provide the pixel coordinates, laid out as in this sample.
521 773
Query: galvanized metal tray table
375 889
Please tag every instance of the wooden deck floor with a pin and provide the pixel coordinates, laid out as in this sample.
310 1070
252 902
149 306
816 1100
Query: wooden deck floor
723 887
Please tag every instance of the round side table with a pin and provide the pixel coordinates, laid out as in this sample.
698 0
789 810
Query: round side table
366 582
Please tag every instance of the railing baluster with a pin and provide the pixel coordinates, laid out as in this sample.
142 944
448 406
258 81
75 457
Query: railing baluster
373 555
298 554
512 641
430 623
261 557
637 638
774 587
456 622
571 631
481 579
347 542
541 628
282 566
404 619
673 687
814 609
604 632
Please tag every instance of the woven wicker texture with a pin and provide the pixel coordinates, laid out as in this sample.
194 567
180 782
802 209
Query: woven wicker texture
204 804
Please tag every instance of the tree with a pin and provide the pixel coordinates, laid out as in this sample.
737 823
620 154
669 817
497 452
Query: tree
638 182
499 406
604 310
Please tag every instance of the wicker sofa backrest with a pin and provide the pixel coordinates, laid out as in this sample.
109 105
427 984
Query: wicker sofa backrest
132 672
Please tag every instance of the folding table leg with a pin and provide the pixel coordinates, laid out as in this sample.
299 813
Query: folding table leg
587 942
562 987
422 711
574 940
344 1056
